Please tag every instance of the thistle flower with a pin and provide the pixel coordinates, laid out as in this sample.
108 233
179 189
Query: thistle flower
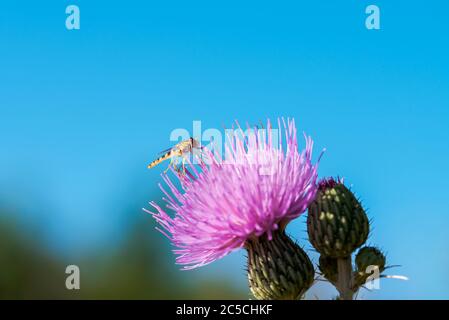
260 187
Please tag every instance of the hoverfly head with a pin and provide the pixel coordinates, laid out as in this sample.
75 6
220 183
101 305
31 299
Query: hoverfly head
195 144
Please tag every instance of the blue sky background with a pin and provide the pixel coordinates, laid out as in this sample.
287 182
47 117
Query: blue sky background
84 111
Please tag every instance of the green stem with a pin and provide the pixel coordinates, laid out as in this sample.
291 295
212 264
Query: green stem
344 281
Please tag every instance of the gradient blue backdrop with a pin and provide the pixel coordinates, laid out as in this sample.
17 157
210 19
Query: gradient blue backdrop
82 112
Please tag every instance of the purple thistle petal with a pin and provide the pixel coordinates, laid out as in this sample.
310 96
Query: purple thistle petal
227 202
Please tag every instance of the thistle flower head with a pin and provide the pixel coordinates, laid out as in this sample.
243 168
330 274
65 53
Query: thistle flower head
263 183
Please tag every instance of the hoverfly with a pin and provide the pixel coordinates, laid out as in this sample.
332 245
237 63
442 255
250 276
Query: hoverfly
179 150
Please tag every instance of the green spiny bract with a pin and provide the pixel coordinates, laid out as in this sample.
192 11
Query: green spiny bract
337 223
329 268
366 257
278 269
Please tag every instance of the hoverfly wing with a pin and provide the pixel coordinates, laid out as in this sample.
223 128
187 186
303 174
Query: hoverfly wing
164 151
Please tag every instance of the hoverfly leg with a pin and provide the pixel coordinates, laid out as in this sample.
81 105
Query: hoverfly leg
182 168
169 165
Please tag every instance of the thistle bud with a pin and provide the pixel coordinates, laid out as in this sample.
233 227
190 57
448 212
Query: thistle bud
336 222
278 269
329 268
368 256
